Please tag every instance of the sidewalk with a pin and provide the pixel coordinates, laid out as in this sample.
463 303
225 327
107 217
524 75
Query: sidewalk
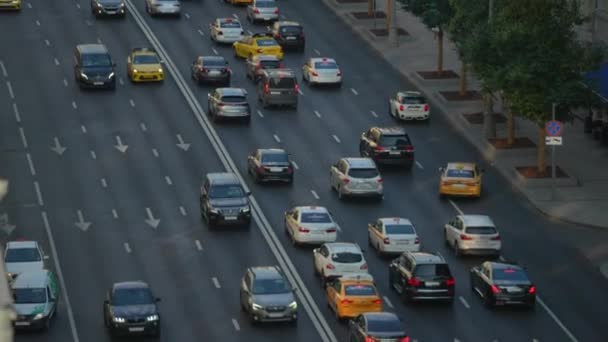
581 193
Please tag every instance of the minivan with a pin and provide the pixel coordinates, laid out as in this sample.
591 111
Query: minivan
93 67
278 87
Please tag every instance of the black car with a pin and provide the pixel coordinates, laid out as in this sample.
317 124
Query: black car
377 326
113 8
278 87
421 276
271 164
130 308
224 201
388 145
211 69
94 67
289 34
229 103
499 283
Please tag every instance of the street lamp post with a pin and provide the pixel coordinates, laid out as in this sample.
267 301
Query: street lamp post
488 116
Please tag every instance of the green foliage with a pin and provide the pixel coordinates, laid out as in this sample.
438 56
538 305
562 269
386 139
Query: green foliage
433 13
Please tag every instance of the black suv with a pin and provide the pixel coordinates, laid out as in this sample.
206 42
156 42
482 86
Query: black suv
421 276
112 8
224 201
130 308
389 145
377 326
278 87
289 34
94 67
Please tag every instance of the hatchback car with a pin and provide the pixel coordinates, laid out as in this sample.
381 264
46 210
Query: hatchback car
93 67
472 234
110 8
278 88
310 225
338 258
353 294
22 257
262 10
256 64
409 105
144 65
223 200
322 71
500 283
356 177
163 7
270 164
211 69
226 30
387 145
289 34
460 179
393 235
130 308
229 103
266 295
421 276
377 326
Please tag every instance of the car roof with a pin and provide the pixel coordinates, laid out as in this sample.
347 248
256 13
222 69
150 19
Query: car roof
426 258
30 279
143 51
322 59
262 35
21 244
410 93
222 178
312 209
391 130
356 162
288 23
232 91
266 272
136 284
394 220
272 151
380 316
477 220
343 246
461 165
92 48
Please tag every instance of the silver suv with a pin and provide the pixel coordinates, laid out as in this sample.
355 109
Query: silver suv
267 296
473 234
229 103
356 177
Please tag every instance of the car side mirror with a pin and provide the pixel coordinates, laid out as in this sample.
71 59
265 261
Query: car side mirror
157 300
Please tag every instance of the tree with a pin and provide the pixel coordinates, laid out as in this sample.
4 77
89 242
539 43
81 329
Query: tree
436 15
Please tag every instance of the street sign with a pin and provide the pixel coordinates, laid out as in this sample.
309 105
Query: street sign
554 128
555 141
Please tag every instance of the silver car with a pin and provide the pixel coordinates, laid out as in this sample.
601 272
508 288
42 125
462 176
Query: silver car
473 234
267 296
163 7
229 103
23 257
356 177
262 10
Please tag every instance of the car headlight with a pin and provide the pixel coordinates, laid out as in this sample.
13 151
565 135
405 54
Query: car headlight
160 70
38 316
122 5
83 75
118 319
214 210
134 70
245 210
152 318
293 305
111 74
256 306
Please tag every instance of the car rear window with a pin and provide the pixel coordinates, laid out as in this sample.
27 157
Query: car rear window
413 100
234 99
270 64
326 65
395 140
315 218
510 274
363 173
274 158
347 257
291 29
214 62
265 4
481 230
282 82
230 24
266 42
359 290
432 270
22 255
384 325
399 229
456 173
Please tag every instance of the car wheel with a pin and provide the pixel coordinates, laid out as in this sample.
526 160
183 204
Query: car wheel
489 301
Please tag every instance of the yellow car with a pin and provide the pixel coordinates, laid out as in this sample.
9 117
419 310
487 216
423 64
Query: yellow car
10 5
352 294
144 65
239 2
460 179
257 44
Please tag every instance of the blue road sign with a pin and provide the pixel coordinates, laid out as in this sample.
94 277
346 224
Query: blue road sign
554 128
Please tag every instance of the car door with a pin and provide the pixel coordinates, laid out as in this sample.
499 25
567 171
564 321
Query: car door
305 68
320 256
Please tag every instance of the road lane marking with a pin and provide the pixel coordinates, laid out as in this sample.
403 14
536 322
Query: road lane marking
557 320
23 139
16 110
143 127
99 41
114 213
236 325
38 193
31 164
183 211
187 15
373 113
419 165
387 301
81 223
314 194
104 183
295 166
151 221
198 244
336 138
501 258
132 103
317 52
155 152
201 32
47 42
249 32
354 91
456 207
120 146
168 180
10 89
235 16
56 61
216 282
317 114
127 247
276 138
464 302
83 128
260 113
78 6
93 155
300 92
37 23
64 290
65 82
3 68
29 5
215 51
74 105
121 81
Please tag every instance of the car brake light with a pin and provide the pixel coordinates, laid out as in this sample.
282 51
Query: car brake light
297 88
409 148
495 289
496 238
276 11
450 282
417 242
314 73
303 230
377 301
380 180
370 339
346 301
465 237
386 241
329 267
261 169
405 339
414 282
221 104
256 11
379 148
426 108
532 289
266 88
331 230
401 107
345 180
363 267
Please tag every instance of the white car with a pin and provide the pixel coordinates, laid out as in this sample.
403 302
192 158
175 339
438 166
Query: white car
409 105
338 258
165 7
226 30
310 225
356 177
23 256
322 71
393 235
473 234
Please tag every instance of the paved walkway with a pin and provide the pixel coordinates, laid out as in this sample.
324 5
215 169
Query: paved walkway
581 198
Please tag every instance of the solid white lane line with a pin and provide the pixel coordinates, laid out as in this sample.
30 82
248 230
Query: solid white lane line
38 193
373 113
56 61
295 166
127 247
464 302
276 138
83 128
354 91
16 110
317 52
314 194
143 126
215 51
155 152
47 42
64 291
557 320
236 325
198 244
74 105
23 139
317 114
336 138
419 165
93 155
3 68
37 23
456 207
168 180
183 211
10 89
104 183
260 113
114 213
388 302
216 283
300 92
31 164
132 103
65 82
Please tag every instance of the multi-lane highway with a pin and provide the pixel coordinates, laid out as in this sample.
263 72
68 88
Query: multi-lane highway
121 201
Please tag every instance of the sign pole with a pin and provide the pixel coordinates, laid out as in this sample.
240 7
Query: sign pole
553 185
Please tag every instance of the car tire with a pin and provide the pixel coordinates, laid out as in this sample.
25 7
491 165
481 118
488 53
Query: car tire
488 301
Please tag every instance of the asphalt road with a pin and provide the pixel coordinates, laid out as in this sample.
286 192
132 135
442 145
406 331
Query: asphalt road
117 191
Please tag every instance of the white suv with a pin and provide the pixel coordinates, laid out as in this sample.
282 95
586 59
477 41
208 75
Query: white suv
339 258
409 105
356 177
473 234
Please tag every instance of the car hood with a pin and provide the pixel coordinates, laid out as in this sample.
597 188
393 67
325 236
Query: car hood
20 267
229 202
146 67
30 309
277 299
127 311
97 70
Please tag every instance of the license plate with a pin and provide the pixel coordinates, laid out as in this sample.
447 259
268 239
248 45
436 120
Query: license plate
97 83
266 18
214 73
275 92
290 38
432 283
136 329
22 324
275 315
459 185
276 169
230 218
511 289
395 153
403 242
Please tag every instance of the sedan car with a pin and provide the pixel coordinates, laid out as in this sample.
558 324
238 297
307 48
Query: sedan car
130 308
226 30
377 326
289 34
270 164
356 177
353 294
262 10
256 64
387 145
163 7
338 258
408 105
109 8
230 103
257 44
23 256
211 69
460 179
322 70
501 283
144 65
393 235
266 295
473 234
310 225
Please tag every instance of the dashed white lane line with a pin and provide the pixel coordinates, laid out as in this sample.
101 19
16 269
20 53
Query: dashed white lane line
295 165
78 6
47 42
155 152
215 51
31 164
501 258
65 82
557 320
99 41
38 193
23 139
419 165
276 138
3 68
56 61
314 194
300 92
114 213
235 16
464 302
187 15
83 128
456 207
74 105
132 103
143 127
216 282
10 89
354 91
373 113
236 325
37 23
336 138
168 180
198 244
388 302
104 183
29 5
317 52
183 211
260 113
93 155
249 32
201 32
317 114
121 81
283 17
127 247
16 111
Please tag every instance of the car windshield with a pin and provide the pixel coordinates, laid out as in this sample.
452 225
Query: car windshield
230 24
145 59
265 4
226 191
218 62
132 296
266 42
29 296
414 100
432 270
347 257
461 173
270 64
399 229
274 158
270 286
363 173
234 99
291 29
96 60
509 274
384 325
22 255
315 218
481 230
359 290
395 140
326 65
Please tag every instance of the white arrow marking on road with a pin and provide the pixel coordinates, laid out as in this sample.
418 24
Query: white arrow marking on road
58 148
119 145
31 164
16 110
336 138
236 325
216 283
464 302
295 165
260 113
419 165
388 302
10 89
456 207
5 226
198 244
314 193
317 114
3 68
46 41
81 223
181 144
374 114
276 138
354 91
151 220
127 247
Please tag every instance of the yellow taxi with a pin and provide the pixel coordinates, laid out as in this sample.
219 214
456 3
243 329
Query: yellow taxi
460 179
352 294
144 65
240 2
257 44
10 5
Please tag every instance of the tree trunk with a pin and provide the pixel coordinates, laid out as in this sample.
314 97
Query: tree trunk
510 123
370 7
489 126
463 78
440 52
542 160
389 13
